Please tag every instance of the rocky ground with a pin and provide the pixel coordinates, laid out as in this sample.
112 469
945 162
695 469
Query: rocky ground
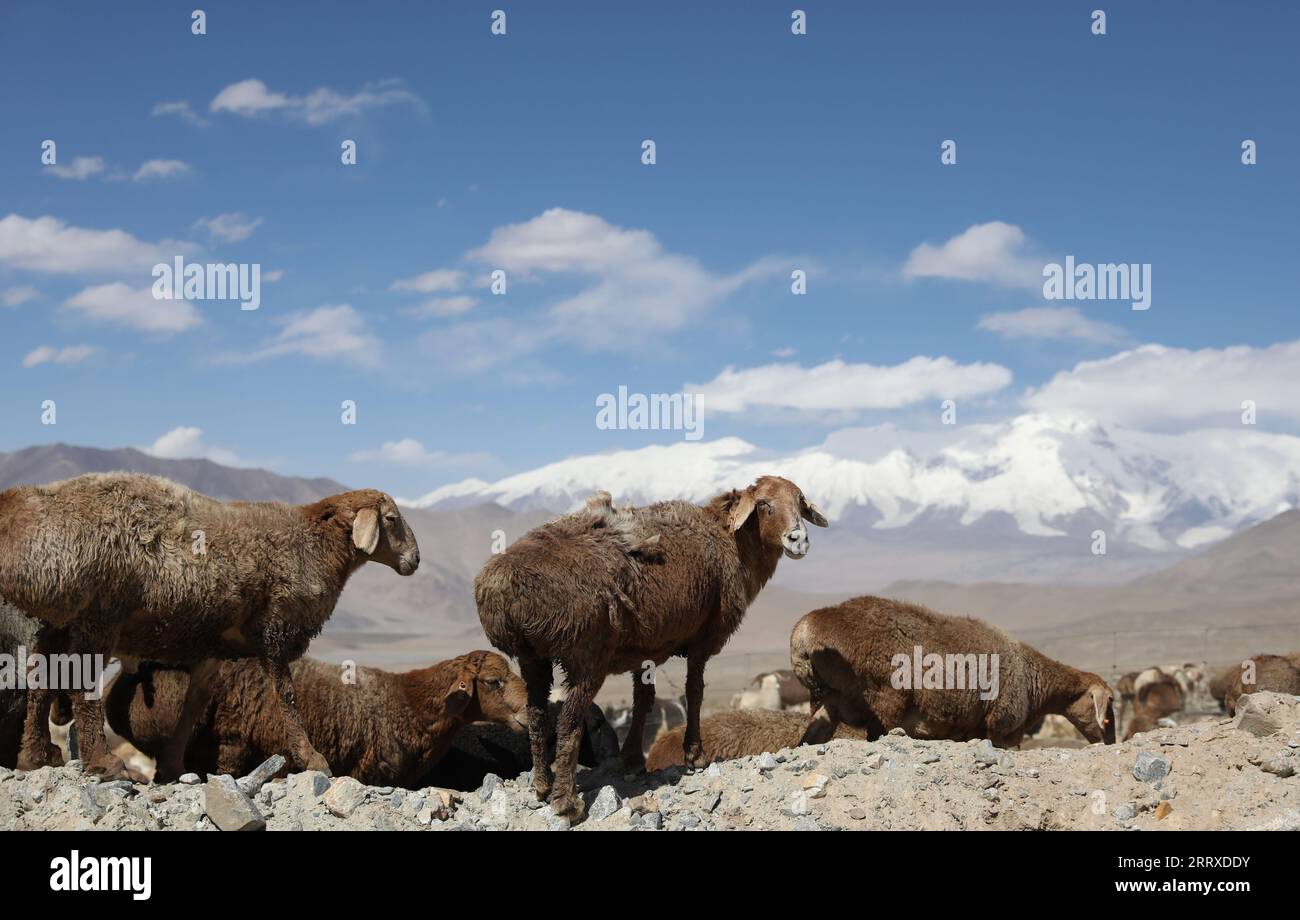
1234 773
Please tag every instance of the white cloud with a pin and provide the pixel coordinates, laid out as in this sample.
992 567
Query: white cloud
273 276
186 443
81 168
982 252
440 279
1171 388
181 109
410 452
327 333
18 295
160 169
229 228
134 308
1051 323
47 244
837 386
251 98
46 354
638 290
442 306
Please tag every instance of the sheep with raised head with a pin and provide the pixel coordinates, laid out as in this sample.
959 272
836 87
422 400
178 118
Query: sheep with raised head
881 664
731 734
1280 673
608 592
379 727
144 569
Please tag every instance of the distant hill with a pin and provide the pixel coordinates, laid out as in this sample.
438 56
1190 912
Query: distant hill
52 462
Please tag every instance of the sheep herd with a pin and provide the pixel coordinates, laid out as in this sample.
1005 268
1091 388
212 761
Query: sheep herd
211 606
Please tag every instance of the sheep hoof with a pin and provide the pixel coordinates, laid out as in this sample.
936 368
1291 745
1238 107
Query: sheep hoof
542 785
317 762
51 756
568 807
694 758
107 767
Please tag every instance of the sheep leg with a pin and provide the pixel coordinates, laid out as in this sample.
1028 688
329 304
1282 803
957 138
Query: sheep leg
300 749
91 636
692 746
538 675
821 727
37 748
643 697
198 694
565 800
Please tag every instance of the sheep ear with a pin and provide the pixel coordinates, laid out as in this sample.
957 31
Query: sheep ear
454 703
811 513
743 508
365 530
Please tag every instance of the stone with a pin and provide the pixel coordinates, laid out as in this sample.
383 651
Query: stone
1125 812
310 783
252 784
1150 768
605 804
652 820
1163 810
985 753
491 783
344 796
767 762
190 779
815 785
228 808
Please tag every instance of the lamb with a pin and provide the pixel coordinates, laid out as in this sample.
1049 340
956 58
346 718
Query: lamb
856 660
141 568
1156 695
1272 672
600 592
734 733
775 690
378 727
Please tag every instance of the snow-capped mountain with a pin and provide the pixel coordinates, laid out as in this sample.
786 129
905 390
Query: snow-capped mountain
1052 474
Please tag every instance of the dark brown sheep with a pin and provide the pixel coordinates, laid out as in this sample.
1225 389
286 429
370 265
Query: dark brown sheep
851 658
1280 673
1156 696
16 631
608 592
141 568
735 733
378 727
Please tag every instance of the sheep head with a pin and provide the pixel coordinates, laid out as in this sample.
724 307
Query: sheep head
1093 712
380 533
486 690
780 509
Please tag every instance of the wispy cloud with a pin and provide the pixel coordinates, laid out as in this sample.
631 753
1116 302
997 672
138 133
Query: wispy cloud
187 443
326 333
47 354
47 244
229 228
178 109
161 169
18 295
1051 323
409 452
79 170
442 306
252 98
440 279
134 308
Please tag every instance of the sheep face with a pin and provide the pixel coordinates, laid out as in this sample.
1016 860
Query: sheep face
488 691
1093 713
380 534
780 508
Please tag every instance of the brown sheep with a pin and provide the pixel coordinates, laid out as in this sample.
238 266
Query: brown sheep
141 568
16 631
378 727
1280 673
734 733
852 658
599 592
1157 695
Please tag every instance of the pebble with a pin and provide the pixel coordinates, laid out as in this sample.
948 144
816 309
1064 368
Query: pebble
1150 768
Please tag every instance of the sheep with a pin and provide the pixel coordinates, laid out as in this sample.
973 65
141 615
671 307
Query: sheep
16 631
381 728
734 733
488 747
144 569
1280 673
600 592
775 690
1157 695
856 660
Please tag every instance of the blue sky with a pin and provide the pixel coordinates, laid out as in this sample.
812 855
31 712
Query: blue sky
774 152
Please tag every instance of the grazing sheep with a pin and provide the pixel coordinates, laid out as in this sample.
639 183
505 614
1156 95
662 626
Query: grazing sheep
775 690
489 747
1157 695
141 568
378 727
1280 673
601 593
853 658
734 733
